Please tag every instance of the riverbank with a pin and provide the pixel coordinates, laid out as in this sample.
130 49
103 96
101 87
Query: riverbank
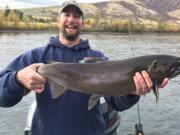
97 26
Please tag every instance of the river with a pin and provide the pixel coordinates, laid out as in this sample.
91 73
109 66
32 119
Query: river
157 119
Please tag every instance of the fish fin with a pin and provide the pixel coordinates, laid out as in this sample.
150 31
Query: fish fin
153 70
54 62
51 61
56 89
92 60
156 91
93 100
153 66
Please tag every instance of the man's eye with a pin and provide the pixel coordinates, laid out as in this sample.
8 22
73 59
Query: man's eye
66 14
77 16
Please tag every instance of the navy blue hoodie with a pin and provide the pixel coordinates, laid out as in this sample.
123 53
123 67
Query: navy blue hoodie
67 114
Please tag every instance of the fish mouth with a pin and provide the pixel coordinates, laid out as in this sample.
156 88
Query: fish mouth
176 70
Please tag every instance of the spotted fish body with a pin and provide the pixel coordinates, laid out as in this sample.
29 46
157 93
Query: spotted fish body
108 78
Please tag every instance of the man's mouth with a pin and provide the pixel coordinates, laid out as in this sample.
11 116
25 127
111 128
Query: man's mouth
70 27
71 31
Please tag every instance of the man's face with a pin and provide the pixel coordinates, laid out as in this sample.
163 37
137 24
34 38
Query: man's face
70 23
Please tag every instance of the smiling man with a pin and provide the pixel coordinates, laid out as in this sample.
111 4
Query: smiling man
70 23
68 114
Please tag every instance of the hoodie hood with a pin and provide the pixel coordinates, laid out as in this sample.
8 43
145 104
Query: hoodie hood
54 41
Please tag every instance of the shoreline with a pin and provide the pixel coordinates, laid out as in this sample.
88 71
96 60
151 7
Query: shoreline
113 27
96 33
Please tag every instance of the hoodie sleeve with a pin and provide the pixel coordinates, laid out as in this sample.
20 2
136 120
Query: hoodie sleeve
121 103
11 92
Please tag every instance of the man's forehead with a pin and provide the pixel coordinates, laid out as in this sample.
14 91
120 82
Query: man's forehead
72 8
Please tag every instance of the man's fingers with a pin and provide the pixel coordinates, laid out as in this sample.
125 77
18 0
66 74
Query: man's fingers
39 78
147 80
142 82
138 86
38 90
143 85
34 87
36 65
164 83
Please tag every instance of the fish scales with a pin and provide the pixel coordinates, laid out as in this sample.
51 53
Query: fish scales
108 78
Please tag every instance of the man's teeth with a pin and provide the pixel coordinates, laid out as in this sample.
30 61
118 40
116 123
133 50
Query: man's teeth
71 27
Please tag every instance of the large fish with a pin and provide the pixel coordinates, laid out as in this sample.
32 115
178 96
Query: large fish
108 78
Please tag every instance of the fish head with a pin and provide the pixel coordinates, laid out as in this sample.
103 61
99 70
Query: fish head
164 67
174 68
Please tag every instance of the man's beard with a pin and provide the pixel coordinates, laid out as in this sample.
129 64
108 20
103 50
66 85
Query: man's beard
70 37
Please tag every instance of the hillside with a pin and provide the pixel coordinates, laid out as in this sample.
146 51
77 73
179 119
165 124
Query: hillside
155 10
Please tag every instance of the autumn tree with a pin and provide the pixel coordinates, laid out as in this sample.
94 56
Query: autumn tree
7 12
13 17
19 13
1 17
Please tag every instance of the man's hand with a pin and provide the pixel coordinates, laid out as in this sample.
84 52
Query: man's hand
144 83
30 79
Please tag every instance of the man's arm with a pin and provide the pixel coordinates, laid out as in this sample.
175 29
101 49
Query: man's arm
11 86
10 91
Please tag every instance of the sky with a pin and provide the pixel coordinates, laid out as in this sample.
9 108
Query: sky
37 3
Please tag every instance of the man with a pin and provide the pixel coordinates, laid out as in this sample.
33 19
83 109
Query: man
67 114
111 117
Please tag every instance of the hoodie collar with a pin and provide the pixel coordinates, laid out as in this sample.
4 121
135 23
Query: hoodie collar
54 41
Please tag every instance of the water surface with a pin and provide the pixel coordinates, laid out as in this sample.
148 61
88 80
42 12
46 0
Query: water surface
157 119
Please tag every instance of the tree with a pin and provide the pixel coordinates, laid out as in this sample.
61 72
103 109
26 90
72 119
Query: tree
14 18
7 11
18 13
161 26
26 21
1 17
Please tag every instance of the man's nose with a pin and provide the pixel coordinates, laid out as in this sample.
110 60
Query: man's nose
71 18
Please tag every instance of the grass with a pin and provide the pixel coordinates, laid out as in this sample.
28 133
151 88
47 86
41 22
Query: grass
27 26
93 25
